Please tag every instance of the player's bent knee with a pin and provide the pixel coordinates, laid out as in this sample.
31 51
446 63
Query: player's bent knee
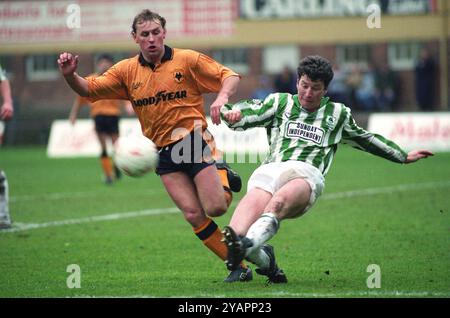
215 205
216 213
216 210
193 216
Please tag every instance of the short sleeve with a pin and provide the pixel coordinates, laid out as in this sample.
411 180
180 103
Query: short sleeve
209 74
109 85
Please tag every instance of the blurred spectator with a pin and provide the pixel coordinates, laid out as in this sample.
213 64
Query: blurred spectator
264 88
386 88
338 90
353 81
286 81
424 73
365 92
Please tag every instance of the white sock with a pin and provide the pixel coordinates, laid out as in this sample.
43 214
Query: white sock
259 258
261 231
4 212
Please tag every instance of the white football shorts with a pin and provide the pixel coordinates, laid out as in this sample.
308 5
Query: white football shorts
273 175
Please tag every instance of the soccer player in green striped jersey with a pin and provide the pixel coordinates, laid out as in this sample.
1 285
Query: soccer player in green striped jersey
303 131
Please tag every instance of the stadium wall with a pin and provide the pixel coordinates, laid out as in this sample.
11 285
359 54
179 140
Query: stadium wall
39 102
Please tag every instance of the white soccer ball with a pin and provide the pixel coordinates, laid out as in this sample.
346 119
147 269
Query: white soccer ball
135 155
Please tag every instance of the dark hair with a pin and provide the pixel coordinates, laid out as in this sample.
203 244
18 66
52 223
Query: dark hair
147 15
104 56
316 68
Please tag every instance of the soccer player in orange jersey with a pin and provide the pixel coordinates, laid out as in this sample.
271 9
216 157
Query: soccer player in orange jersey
106 114
165 86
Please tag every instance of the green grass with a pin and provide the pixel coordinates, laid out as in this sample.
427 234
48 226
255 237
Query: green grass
403 227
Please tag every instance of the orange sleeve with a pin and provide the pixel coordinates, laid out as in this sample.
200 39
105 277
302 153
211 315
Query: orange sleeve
109 85
209 74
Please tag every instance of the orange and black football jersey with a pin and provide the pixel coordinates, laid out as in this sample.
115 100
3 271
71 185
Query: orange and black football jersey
167 97
107 107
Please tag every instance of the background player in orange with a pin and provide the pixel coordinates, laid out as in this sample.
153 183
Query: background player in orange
106 117
165 86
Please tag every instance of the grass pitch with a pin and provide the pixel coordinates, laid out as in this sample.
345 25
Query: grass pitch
129 240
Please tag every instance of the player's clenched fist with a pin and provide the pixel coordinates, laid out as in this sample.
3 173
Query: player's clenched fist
232 116
67 63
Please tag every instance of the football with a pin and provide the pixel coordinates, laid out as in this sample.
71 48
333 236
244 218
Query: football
135 155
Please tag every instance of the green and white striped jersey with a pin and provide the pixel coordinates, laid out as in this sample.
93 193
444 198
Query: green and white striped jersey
296 134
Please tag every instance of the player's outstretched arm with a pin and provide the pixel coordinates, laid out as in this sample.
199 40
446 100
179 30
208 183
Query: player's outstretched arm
68 65
7 109
416 155
232 116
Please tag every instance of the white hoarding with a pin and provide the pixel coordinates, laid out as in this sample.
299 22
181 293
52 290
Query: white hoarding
67 140
429 131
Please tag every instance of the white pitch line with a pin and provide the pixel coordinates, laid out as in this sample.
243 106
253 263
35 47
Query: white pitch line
385 190
69 195
19 227
330 196
51 196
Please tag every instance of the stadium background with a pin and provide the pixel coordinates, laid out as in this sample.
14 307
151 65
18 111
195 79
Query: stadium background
253 37
129 239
